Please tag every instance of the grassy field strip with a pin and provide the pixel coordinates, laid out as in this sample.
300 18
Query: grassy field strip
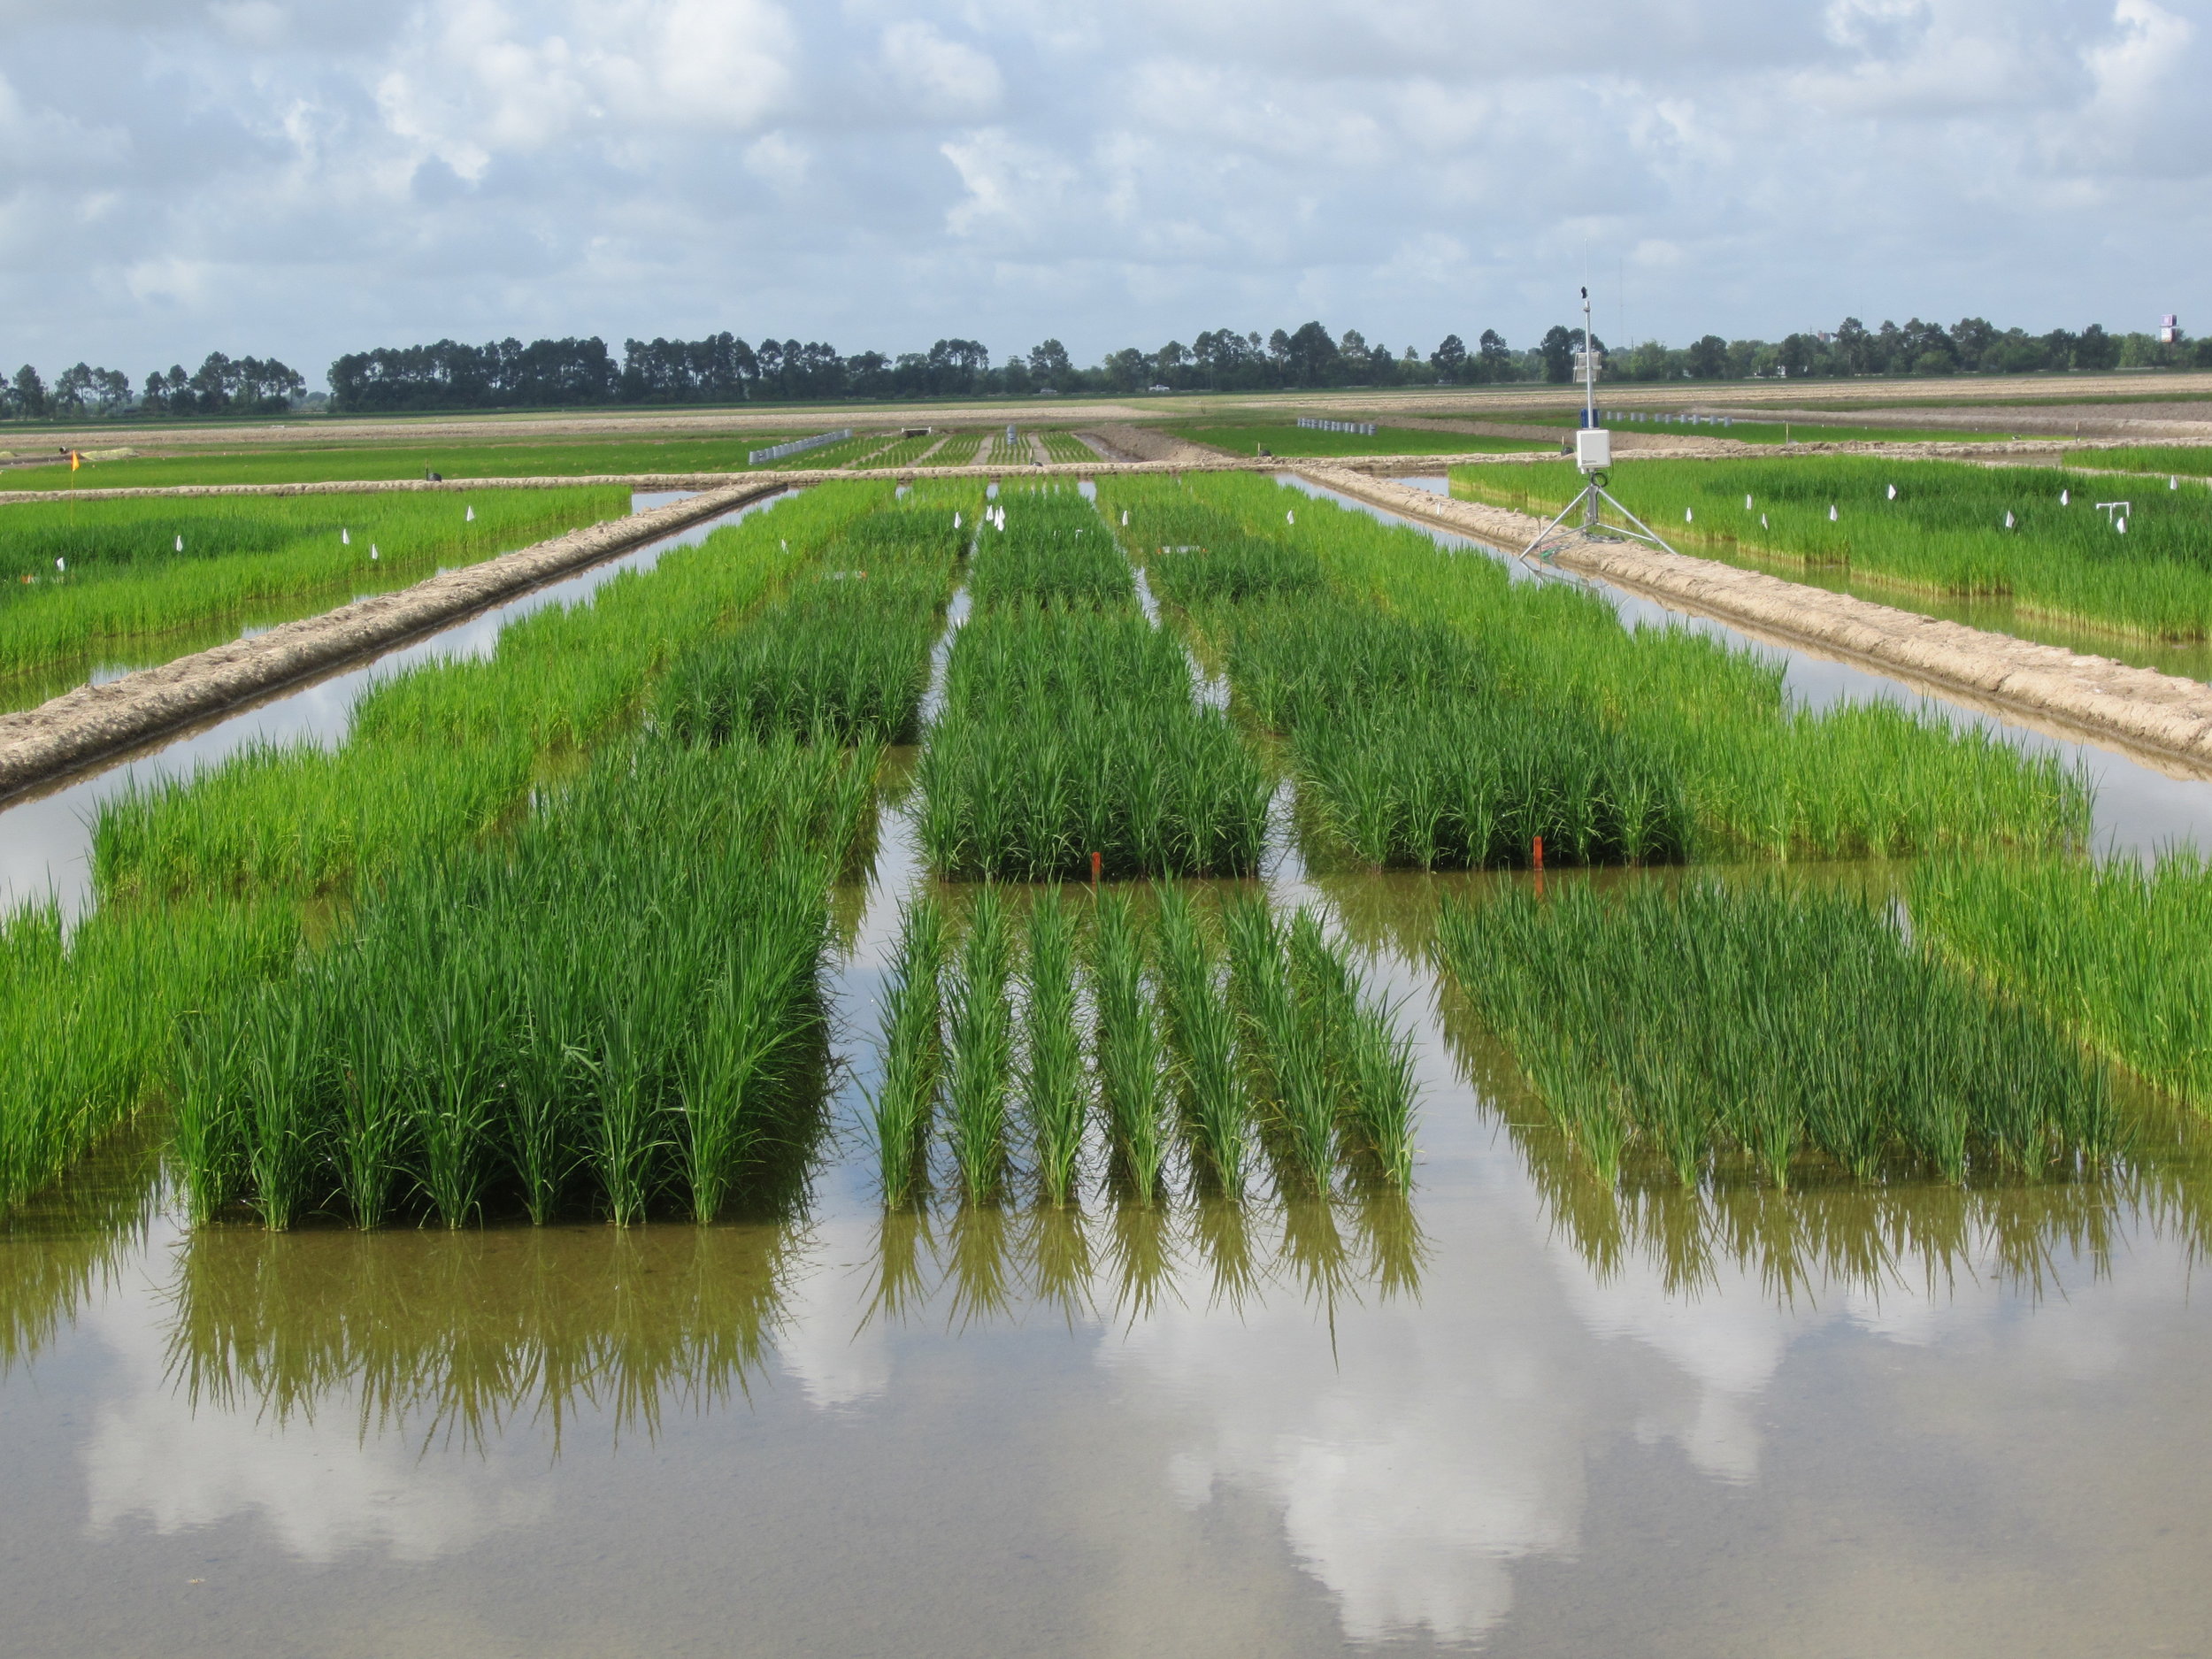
78 580
1785 1028
617 1010
1068 728
204 886
1143 1044
2033 534
1757 778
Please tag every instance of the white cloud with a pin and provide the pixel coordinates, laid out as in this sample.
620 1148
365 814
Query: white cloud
943 79
1010 169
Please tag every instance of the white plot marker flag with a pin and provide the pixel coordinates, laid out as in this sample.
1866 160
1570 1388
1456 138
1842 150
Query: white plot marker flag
2008 517
345 538
1831 512
1892 491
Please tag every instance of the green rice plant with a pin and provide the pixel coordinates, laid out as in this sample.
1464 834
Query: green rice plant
1759 776
2172 460
1232 568
1054 553
1052 1075
2035 535
845 654
2119 954
981 1047
1066 449
81 578
1202 1037
1410 753
661 921
448 750
1694 1020
913 1050
93 1015
1126 1048
1067 735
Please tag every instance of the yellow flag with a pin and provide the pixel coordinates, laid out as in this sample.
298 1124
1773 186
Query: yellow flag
72 460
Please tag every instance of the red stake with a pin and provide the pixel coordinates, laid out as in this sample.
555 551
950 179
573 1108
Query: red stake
1539 852
1094 869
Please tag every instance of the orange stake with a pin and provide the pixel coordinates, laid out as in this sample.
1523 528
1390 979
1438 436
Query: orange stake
1539 852
1094 869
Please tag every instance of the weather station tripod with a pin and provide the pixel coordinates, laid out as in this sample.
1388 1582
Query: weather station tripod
1594 458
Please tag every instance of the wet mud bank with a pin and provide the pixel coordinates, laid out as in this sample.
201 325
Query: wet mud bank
2163 716
87 724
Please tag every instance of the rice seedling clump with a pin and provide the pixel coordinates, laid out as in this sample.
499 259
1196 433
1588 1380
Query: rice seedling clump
611 1012
1135 1039
2118 953
1686 1023
1069 729
845 654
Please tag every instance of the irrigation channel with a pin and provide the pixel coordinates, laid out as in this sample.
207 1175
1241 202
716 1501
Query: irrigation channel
1561 1383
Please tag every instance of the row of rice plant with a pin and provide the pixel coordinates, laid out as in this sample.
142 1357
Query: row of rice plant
2118 953
1410 752
1789 1029
2056 544
610 1012
1760 777
79 578
1106 1039
450 749
1069 734
199 884
849 652
1066 449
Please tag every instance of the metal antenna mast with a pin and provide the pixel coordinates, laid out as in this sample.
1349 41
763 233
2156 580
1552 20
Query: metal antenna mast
1594 456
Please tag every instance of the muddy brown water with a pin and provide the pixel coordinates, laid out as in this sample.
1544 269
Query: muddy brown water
1514 1412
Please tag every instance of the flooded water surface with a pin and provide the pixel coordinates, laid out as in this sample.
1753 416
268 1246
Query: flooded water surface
1515 1411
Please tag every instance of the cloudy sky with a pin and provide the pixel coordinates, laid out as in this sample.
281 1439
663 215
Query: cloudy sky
299 177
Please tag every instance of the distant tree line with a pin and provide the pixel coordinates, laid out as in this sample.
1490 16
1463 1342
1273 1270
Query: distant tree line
220 386
724 369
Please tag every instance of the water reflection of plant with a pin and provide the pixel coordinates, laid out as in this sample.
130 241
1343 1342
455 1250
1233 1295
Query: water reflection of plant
69 1241
456 1336
979 1263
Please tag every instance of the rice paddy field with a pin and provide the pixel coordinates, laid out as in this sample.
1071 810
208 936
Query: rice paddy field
1287 438
89 587
958 1070
414 456
2050 543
